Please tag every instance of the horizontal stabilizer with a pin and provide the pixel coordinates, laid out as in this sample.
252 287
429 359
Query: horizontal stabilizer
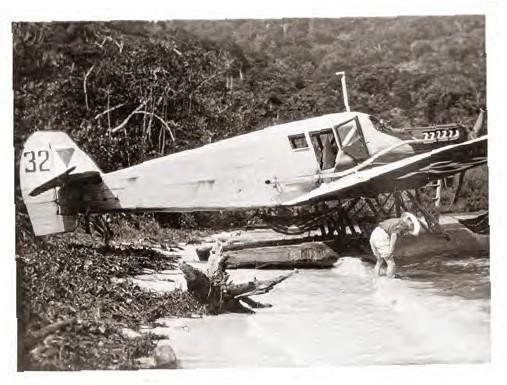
87 177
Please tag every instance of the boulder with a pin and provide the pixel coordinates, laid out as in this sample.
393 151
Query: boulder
165 357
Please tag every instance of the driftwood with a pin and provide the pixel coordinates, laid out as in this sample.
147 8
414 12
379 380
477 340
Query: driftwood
278 254
220 295
313 255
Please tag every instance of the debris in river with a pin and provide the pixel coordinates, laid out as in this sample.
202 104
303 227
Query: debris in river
220 295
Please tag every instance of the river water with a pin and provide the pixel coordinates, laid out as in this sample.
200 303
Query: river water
436 311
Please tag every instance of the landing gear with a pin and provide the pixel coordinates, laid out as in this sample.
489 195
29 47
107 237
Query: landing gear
353 220
98 224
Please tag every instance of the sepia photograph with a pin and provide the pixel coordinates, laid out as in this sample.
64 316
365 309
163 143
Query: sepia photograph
285 192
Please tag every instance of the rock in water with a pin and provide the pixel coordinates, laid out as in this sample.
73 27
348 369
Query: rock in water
165 358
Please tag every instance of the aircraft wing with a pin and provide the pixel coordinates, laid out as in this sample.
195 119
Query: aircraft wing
435 164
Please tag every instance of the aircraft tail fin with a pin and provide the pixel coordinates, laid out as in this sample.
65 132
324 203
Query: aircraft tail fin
50 159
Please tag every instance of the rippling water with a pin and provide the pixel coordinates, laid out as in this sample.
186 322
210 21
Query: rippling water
437 311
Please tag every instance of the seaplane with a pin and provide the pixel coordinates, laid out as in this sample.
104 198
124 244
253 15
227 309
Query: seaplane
338 165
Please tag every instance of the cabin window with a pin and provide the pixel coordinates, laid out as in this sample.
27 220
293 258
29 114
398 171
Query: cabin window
298 141
324 144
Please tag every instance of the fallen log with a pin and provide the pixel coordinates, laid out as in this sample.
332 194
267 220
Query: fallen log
213 288
279 254
250 242
314 255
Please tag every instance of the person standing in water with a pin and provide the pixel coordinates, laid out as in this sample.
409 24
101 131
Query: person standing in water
383 239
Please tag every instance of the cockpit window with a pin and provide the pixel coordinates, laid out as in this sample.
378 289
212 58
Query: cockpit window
298 141
351 141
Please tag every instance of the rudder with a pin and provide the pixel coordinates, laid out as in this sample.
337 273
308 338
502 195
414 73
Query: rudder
47 155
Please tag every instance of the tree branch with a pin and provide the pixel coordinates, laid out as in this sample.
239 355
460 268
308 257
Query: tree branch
122 124
84 86
203 82
109 110
160 119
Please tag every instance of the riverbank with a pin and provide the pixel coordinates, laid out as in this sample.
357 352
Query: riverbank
78 304
82 305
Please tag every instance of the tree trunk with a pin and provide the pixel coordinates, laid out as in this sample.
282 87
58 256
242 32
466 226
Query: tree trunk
219 295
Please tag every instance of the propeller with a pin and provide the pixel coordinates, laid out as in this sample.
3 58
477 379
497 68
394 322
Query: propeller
478 128
476 131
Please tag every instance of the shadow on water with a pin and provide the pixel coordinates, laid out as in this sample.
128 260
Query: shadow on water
464 276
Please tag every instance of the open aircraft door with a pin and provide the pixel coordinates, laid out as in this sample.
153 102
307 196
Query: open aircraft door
352 148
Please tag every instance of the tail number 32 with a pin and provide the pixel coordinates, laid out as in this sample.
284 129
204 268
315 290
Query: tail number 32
36 159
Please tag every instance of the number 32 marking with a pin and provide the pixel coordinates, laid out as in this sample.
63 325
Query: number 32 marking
41 158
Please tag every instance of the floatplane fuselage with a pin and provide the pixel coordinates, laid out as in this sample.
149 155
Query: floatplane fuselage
276 166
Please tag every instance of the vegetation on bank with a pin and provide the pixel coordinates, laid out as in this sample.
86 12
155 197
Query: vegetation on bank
74 299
